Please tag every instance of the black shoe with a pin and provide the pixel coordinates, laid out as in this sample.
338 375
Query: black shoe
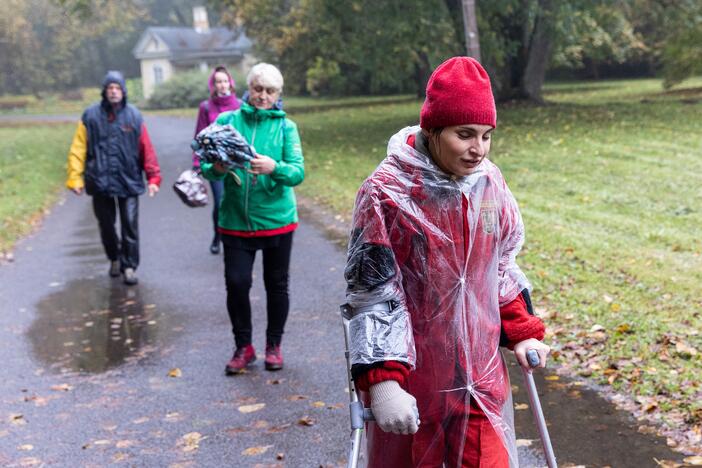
114 269
214 247
130 277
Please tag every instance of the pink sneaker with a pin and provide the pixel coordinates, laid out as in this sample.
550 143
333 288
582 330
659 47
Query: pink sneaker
274 358
242 358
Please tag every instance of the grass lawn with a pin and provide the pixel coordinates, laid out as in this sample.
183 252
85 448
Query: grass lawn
32 172
609 181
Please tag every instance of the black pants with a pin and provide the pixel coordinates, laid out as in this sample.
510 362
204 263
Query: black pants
105 209
239 255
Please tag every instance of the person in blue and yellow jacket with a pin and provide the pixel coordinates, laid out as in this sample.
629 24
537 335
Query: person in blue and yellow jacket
110 153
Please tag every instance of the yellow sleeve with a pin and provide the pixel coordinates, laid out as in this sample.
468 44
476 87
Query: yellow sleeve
76 157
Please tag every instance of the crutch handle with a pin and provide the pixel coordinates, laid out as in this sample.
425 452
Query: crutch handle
533 358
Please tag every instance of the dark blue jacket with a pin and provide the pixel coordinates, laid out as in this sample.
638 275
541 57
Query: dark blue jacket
113 165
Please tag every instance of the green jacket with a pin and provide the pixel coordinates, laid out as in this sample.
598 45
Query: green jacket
269 202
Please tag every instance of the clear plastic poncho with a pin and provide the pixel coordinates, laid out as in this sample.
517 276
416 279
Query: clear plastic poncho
439 252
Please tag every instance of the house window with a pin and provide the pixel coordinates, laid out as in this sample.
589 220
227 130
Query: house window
158 74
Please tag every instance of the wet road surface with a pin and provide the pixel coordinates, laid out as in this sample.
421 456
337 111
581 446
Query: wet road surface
97 373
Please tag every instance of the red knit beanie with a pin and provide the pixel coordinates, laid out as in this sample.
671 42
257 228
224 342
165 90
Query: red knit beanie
458 93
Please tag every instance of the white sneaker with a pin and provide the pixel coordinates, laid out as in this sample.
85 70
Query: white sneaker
130 277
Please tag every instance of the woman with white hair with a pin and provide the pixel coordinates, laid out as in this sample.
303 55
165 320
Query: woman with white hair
259 212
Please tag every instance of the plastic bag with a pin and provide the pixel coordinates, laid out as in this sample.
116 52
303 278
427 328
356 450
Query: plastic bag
191 188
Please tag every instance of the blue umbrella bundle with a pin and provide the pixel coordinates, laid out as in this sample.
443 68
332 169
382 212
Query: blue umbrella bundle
224 144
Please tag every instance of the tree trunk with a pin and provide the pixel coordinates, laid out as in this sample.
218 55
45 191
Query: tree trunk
470 29
422 72
539 53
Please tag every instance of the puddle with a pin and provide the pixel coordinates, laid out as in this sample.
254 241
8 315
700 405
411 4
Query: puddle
585 429
93 325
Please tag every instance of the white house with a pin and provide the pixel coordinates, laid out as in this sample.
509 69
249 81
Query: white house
164 51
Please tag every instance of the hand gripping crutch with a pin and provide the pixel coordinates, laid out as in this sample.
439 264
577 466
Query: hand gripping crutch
533 360
359 414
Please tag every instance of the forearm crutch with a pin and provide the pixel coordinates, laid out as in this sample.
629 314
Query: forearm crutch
533 360
359 414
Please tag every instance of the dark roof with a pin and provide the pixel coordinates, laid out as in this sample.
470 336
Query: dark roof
187 43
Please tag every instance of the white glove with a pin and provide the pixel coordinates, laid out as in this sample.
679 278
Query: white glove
394 409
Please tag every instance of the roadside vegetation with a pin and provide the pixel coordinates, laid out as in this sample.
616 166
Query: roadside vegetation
607 175
32 172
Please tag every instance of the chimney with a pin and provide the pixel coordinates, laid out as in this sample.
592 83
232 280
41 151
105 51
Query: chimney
200 22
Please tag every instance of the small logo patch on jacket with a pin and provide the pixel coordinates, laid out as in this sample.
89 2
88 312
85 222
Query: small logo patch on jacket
127 128
488 216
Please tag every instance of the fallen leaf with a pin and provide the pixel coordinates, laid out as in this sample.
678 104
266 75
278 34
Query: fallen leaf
102 442
62 387
141 420
685 350
256 450
30 461
296 397
279 428
17 419
521 406
667 463
175 372
695 460
125 443
524 442
275 381
119 456
173 416
552 377
25 447
319 404
190 441
615 307
306 421
280 456
260 424
251 408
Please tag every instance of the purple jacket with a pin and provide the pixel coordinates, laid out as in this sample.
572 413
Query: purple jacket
210 108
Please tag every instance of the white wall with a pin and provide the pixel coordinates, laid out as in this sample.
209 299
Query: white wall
149 74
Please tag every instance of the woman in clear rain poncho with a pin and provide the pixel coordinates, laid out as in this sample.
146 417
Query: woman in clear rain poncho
434 288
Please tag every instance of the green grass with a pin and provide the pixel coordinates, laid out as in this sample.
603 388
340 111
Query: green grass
32 172
608 176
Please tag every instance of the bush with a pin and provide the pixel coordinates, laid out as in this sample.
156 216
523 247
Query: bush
186 89
134 90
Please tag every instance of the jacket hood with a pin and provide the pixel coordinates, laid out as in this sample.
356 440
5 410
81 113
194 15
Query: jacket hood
114 76
252 111
278 105
418 159
211 84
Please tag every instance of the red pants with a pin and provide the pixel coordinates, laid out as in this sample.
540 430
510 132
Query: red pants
449 442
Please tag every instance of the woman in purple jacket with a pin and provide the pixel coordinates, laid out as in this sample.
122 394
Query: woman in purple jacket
222 98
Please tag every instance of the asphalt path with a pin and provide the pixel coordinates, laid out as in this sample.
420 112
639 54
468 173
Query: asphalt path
96 373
